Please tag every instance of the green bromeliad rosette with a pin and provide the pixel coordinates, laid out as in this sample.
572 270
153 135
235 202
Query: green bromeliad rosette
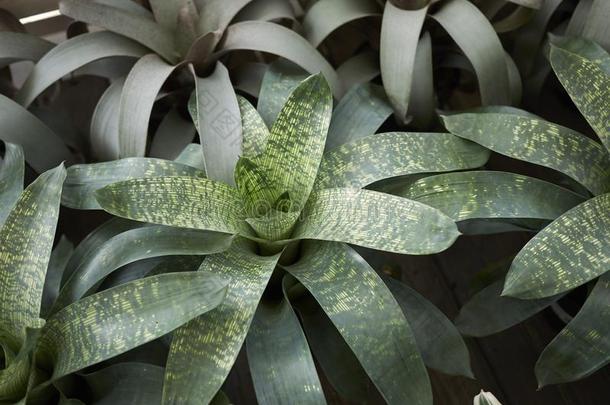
574 247
292 213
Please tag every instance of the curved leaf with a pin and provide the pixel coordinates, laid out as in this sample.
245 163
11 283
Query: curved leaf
255 132
116 320
11 178
17 46
71 55
83 180
573 249
104 128
210 344
367 316
380 156
217 14
376 220
360 68
582 347
266 10
57 265
539 142
26 240
173 135
187 202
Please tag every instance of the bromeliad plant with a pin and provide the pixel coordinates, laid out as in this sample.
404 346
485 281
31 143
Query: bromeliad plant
574 249
39 349
292 211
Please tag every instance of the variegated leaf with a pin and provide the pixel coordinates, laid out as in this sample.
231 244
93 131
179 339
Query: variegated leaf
254 130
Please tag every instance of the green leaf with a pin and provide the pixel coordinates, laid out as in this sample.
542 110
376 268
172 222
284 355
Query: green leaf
83 180
57 264
17 46
422 106
218 14
71 55
166 12
596 26
380 156
278 40
186 202
360 68
488 312
280 362
367 316
441 346
192 156
488 194
15 375
255 132
104 128
400 30
361 111
173 135
572 250
486 398
583 68
130 24
536 141
26 240
218 123
42 147
137 98
376 220
476 37
582 347
326 16
116 320
133 245
11 178
209 344
126 384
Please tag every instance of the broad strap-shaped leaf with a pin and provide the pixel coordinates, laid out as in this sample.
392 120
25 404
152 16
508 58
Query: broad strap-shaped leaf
537 141
368 317
280 362
254 131
476 37
133 25
275 225
439 342
325 16
573 249
422 106
583 346
83 180
172 136
218 123
488 312
361 111
26 240
12 167
192 156
400 31
217 14
360 68
116 320
278 40
381 156
104 128
140 90
210 343
583 68
43 149
376 220
490 194
266 10
187 202
295 145
57 265
71 55
16 373
18 46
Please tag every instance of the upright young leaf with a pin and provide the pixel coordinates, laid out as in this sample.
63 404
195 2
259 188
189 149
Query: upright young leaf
104 129
26 240
368 317
582 347
11 178
209 344
573 249
583 67
57 265
254 131
116 320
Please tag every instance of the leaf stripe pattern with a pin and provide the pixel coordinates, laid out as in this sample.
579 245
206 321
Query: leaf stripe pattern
255 132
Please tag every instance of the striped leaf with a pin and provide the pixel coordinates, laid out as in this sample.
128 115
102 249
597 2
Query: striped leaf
380 156
572 250
116 320
582 347
255 131
133 245
209 344
376 220
187 202
15 374
537 141
83 180
368 317
583 67
11 178
280 79
26 240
